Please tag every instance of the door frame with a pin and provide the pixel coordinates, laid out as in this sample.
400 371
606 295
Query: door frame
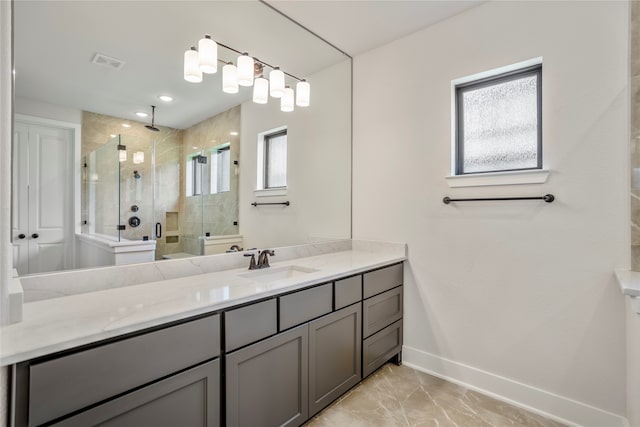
76 175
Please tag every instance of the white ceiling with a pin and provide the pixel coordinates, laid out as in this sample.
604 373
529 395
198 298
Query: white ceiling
356 26
54 42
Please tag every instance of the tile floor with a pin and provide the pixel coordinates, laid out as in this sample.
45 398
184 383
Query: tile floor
401 396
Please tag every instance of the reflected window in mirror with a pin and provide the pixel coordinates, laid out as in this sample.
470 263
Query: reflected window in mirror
221 168
272 159
195 173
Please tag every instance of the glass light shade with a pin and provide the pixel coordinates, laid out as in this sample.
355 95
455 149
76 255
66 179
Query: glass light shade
276 79
303 93
261 90
286 102
192 71
208 55
245 70
122 155
230 78
138 157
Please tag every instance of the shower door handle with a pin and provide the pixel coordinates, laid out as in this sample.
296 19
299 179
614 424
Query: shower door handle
158 230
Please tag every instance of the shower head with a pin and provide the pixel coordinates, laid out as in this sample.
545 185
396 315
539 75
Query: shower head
153 119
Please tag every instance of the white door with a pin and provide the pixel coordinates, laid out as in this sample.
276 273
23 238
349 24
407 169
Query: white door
42 198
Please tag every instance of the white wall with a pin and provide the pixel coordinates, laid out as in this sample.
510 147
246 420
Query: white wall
319 165
516 298
45 110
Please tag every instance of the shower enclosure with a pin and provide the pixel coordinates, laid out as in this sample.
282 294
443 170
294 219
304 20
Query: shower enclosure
155 189
120 190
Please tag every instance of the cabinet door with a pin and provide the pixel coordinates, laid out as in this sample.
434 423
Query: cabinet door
267 383
334 356
188 399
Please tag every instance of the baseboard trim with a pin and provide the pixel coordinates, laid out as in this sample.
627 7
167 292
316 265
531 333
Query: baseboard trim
550 405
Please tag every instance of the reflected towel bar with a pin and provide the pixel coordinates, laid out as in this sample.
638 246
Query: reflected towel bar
547 198
263 204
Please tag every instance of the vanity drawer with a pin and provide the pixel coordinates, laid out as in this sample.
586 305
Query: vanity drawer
348 291
249 324
381 310
382 280
302 306
379 348
60 386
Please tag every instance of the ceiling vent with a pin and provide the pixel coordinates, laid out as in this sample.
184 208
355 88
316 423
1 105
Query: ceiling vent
108 61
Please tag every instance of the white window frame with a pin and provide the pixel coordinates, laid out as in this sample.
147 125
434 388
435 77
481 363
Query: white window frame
523 176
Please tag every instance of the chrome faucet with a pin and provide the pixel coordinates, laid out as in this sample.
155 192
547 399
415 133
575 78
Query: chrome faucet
263 258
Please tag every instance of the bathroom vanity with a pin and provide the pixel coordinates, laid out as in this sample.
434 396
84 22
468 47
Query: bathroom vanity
311 329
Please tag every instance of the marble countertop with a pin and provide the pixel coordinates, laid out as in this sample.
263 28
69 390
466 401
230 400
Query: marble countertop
57 324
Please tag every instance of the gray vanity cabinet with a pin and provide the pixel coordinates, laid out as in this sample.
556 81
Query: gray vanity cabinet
382 310
334 356
124 375
267 382
187 399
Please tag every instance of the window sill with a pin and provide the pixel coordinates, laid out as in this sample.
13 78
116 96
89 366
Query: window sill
629 282
498 178
270 192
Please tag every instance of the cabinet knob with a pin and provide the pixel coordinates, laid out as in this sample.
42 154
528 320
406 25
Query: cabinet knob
21 236
35 235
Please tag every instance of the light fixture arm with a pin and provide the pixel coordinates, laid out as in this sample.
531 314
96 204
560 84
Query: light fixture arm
255 59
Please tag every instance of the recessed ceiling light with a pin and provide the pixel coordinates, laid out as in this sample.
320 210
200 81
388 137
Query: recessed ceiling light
141 114
126 125
165 98
234 133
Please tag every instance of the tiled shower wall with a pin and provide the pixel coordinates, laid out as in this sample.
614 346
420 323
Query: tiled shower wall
635 134
97 130
219 211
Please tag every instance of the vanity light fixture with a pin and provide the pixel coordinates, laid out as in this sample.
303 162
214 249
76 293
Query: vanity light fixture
165 98
276 77
230 78
247 71
208 55
192 72
286 102
261 90
303 93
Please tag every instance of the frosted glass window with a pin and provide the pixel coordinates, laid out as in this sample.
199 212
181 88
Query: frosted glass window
498 123
275 156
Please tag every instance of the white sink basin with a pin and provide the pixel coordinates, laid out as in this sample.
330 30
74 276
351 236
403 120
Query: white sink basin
272 274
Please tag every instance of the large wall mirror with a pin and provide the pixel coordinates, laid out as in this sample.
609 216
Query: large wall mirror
96 182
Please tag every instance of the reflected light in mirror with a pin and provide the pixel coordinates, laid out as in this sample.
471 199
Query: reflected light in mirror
208 55
230 78
261 90
245 70
192 72
286 102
